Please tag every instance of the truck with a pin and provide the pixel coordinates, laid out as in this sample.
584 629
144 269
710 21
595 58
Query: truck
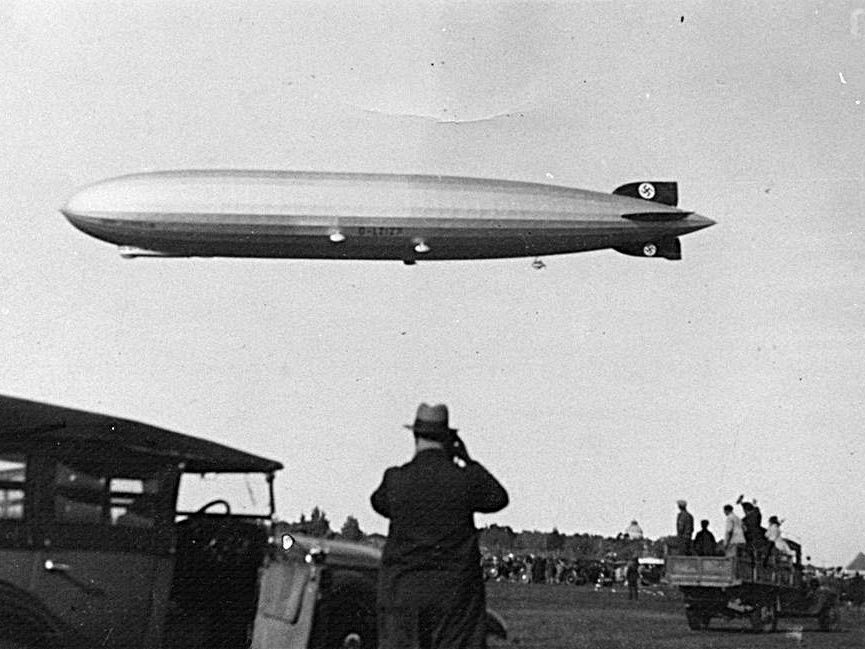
760 586
118 534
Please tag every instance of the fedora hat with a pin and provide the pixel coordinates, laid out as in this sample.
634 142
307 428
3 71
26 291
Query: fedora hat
432 422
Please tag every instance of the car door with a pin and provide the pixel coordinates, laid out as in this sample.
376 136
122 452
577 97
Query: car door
287 595
16 540
105 561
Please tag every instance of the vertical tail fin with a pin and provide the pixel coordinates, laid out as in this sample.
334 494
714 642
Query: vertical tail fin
657 192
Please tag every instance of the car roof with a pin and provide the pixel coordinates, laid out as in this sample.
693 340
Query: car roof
31 425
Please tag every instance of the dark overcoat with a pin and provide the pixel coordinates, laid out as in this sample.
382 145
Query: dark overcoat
431 562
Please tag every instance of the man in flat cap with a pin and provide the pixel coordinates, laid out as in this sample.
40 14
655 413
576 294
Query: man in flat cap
431 589
684 527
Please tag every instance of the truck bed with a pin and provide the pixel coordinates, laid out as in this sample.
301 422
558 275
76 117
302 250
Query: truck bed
726 572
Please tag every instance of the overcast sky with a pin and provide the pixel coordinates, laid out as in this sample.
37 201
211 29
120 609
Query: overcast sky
599 389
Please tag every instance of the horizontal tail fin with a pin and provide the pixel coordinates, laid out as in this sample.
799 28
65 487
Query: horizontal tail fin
657 192
655 217
665 248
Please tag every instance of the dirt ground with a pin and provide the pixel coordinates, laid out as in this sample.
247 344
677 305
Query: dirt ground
577 617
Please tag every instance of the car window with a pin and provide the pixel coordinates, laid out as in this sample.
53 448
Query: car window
78 496
133 502
93 495
13 470
246 494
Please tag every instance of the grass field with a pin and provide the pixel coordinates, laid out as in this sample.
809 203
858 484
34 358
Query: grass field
577 617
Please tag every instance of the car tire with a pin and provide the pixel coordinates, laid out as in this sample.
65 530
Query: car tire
345 616
22 642
697 620
19 634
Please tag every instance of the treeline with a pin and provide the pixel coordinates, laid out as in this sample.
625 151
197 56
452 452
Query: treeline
501 540
318 525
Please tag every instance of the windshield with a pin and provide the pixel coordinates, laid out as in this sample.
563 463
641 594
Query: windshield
247 494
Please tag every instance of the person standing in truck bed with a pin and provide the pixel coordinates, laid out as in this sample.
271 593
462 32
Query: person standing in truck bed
705 544
734 534
684 527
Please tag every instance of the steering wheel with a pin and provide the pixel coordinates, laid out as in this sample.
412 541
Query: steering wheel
209 538
219 501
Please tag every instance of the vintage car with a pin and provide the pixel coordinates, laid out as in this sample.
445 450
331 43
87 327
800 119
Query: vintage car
651 570
118 534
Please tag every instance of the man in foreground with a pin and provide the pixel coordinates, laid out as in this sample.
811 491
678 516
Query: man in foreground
431 590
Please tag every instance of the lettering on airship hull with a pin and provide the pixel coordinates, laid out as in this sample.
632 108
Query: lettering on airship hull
381 231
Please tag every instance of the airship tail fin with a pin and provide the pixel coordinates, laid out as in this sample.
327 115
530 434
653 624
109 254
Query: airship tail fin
655 217
657 192
665 248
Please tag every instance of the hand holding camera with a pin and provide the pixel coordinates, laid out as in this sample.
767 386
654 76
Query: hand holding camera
459 450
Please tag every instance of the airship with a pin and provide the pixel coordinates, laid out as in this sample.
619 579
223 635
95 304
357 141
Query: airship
329 215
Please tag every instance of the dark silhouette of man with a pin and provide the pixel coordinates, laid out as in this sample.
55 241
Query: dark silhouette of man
705 544
632 577
752 521
431 590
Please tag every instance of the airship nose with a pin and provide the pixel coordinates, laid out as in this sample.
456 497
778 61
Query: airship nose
94 209
88 201
76 208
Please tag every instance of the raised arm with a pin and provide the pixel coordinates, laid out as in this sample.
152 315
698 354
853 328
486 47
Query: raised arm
379 499
487 495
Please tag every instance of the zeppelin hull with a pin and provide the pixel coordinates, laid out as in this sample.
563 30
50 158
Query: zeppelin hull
354 216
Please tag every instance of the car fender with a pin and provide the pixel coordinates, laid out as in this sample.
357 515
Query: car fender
495 625
24 617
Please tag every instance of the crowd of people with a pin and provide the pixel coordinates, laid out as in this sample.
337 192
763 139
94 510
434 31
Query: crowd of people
540 569
850 588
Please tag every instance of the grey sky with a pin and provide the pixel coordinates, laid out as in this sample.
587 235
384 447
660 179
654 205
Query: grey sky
600 389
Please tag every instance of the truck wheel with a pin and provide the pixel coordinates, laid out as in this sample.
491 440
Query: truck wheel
829 619
763 619
697 620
